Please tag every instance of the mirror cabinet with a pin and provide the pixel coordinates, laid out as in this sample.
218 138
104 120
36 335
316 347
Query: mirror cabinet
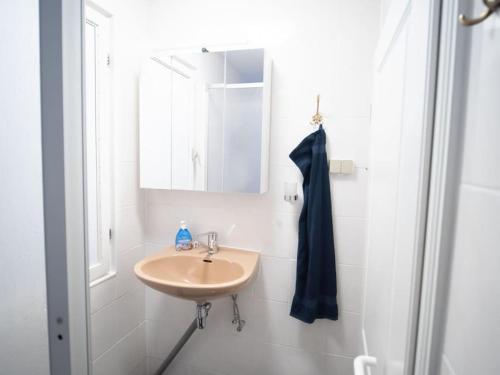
204 121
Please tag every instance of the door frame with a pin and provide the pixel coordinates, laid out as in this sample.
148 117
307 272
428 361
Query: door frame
61 80
62 153
443 185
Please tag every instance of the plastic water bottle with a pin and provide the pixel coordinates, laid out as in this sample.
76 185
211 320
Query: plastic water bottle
183 240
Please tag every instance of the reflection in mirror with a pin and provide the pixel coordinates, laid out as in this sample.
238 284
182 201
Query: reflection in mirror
204 121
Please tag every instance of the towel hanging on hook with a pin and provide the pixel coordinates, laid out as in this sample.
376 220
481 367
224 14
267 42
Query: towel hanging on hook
316 283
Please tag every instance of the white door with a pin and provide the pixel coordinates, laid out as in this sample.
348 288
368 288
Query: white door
399 148
471 337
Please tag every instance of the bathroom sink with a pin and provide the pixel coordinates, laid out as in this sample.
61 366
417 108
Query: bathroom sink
194 276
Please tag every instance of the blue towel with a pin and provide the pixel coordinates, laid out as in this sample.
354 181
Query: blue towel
316 286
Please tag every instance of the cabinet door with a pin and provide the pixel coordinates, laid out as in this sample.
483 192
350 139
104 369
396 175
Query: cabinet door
155 126
182 130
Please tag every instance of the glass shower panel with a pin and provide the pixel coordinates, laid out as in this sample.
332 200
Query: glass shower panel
215 140
242 140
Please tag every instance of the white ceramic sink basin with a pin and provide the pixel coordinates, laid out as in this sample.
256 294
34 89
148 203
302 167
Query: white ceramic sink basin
191 275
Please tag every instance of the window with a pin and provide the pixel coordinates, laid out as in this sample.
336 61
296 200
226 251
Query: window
97 145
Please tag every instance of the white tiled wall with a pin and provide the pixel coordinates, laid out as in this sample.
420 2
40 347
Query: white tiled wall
317 47
118 328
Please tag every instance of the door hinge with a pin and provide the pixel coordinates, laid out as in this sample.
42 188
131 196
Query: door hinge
110 234
108 59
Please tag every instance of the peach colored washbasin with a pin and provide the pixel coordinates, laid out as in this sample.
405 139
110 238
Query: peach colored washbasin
191 275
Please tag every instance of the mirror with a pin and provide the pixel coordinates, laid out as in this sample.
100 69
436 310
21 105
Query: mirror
204 121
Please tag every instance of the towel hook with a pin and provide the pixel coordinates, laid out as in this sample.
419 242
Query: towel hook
317 118
491 7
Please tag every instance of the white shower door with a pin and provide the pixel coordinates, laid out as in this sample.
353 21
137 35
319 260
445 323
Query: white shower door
471 331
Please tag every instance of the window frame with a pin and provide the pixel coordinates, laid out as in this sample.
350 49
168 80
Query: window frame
105 267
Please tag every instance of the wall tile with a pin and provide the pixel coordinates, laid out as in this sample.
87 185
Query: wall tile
350 240
338 365
281 235
129 228
277 360
151 248
124 356
161 306
163 335
104 330
130 311
349 193
222 355
141 369
286 330
273 279
102 294
286 134
350 284
125 278
348 139
116 320
343 337
175 368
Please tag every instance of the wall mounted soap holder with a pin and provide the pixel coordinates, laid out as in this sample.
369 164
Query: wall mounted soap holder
290 192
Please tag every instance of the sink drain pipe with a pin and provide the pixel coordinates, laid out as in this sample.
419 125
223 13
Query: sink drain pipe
197 323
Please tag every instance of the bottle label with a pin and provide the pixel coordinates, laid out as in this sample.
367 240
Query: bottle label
183 245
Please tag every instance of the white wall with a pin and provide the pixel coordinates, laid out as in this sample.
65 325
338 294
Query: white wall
472 331
384 9
317 47
23 310
117 305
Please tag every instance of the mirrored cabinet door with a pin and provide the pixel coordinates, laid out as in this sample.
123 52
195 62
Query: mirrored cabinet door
204 121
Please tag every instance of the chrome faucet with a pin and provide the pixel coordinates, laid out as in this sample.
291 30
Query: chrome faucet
212 246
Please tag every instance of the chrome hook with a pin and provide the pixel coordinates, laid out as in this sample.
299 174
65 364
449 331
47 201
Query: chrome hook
491 7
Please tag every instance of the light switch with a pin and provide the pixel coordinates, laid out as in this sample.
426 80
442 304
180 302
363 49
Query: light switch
347 167
341 166
335 166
